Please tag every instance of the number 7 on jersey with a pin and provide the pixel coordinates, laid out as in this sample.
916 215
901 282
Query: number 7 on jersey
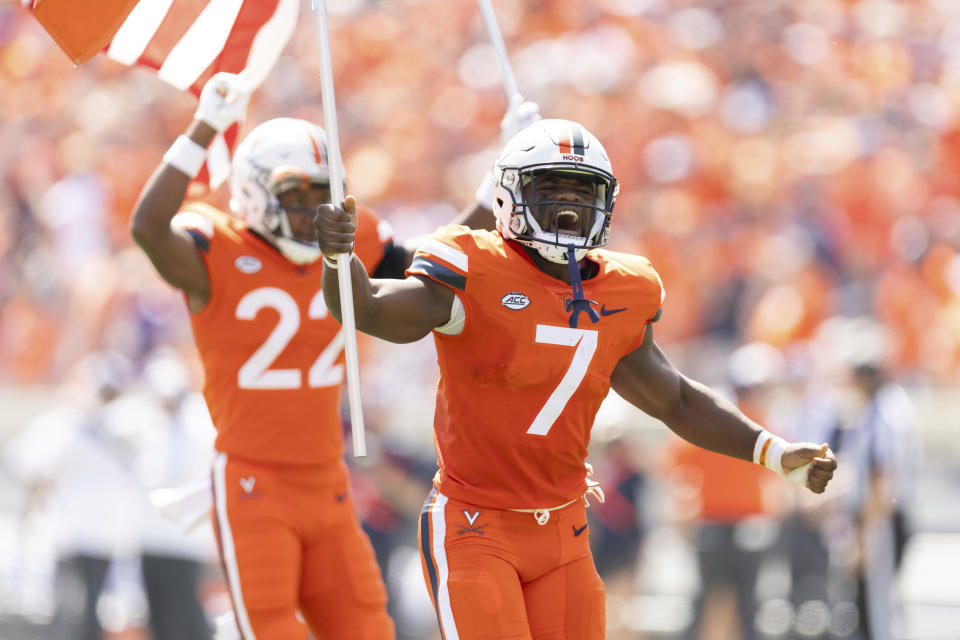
585 341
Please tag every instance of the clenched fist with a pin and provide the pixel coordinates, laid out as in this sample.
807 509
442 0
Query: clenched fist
336 227
809 465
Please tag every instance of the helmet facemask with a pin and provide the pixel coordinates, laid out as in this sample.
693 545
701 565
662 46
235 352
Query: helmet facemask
550 224
290 194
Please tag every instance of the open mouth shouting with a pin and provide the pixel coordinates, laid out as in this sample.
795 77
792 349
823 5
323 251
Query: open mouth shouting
568 222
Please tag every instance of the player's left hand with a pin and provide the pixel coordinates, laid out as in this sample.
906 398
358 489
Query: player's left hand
520 115
336 227
809 465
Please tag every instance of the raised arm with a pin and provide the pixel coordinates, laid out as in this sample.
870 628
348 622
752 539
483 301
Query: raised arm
173 251
696 413
520 114
395 310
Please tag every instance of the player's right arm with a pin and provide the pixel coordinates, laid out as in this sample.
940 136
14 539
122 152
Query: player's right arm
173 251
394 310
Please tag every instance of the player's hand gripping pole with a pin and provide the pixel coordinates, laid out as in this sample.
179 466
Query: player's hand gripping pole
336 197
493 30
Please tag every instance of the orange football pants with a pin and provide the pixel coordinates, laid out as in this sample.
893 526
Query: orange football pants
290 541
495 574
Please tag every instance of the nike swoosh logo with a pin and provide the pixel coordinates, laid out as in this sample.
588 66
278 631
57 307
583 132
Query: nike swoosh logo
577 532
604 312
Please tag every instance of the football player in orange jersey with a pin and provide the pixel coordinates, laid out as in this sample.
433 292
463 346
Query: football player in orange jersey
534 322
283 512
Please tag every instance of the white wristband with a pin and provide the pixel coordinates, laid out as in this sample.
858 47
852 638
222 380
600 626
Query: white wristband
484 194
186 155
768 451
758 453
330 262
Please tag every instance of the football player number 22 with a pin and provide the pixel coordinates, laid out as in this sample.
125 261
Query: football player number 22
585 341
256 372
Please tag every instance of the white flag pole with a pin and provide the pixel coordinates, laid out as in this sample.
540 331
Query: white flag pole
344 259
493 30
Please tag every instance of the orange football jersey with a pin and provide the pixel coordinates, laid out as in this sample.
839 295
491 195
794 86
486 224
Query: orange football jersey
272 355
521 384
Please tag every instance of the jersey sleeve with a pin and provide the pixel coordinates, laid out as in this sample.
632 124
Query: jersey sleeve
200 221
216 235
649 291
443 257
662 291
374 235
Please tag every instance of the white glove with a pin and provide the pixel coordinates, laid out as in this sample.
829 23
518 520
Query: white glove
223 100
520 115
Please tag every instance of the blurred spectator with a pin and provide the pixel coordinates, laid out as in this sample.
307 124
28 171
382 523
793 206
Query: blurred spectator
818 594
618 525
725 503
175 447
844 552
86 466
877 441
74 462
388 487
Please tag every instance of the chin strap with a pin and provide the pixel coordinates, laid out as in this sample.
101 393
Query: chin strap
579 304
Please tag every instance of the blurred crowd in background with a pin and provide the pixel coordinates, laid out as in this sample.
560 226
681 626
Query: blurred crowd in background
792 170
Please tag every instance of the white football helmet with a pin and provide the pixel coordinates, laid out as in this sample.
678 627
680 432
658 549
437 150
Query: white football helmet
275 156
551 147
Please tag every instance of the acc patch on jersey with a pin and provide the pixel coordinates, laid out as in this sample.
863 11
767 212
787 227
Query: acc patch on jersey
515 300
248 264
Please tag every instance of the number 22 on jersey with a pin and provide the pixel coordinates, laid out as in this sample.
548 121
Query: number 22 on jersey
256 372
585 341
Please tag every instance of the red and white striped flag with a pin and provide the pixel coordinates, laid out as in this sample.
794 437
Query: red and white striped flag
186 41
